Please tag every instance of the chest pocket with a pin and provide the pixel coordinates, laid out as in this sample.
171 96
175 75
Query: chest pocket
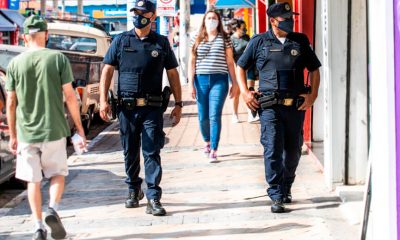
155 53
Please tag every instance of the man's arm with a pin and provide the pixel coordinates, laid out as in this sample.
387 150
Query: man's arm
105 81
248 96
174 82
309 99
11 120
73 107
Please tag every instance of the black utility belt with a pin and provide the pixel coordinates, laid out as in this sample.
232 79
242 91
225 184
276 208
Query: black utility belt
149 100
268 100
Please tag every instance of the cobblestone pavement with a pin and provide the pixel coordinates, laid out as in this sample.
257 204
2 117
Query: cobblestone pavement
226 200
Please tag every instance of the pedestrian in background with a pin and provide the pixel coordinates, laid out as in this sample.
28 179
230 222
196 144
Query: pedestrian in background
240 39
281 56
141 56
36 82
210 63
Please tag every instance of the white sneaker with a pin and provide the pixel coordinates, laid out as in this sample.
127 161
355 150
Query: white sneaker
235 118
251 119
213 157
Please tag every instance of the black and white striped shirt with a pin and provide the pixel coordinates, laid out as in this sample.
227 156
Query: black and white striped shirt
211 58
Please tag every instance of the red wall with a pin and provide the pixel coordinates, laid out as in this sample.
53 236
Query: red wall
3 4
305 24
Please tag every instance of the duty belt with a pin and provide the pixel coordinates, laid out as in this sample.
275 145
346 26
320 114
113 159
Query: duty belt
268 100
149 100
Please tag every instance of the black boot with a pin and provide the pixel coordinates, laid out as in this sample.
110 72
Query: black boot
277 206
288 197
154 207
133 198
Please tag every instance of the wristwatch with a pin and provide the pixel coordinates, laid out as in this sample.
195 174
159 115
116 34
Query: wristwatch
179 103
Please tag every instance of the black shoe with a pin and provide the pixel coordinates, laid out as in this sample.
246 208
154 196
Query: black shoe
133 198
287 198
54 222
154 207
277 206
40 234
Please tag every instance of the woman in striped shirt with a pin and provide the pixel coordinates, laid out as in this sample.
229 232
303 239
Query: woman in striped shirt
210 62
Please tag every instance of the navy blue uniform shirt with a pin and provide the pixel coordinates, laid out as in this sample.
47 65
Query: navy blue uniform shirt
140 62
280 65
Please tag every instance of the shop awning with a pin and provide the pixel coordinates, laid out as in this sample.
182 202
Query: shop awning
14 17
235 4
5 25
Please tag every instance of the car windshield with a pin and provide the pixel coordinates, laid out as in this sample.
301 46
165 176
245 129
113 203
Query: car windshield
71 43
5 58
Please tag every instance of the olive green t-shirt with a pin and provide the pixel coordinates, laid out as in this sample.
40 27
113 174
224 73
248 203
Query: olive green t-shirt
37 77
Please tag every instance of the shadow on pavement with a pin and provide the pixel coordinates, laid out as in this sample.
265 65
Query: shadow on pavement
209 232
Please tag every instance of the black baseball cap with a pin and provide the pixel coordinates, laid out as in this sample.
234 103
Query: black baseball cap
144 5
281 9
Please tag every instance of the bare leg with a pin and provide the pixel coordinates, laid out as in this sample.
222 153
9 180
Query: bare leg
35 200
56 188
235 107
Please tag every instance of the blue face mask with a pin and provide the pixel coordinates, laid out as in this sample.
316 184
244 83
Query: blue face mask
140 22
286 25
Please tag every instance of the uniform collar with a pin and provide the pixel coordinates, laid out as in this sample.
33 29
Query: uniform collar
150 37
271 36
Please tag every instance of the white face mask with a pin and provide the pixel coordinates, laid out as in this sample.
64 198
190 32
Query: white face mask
211 24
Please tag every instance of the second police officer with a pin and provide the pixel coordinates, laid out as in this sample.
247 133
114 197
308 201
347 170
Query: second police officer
281 56
141 55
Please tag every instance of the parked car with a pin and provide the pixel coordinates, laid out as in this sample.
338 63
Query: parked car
7 159
8 52
85 46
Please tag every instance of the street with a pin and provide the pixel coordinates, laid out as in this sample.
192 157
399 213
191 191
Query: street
226 200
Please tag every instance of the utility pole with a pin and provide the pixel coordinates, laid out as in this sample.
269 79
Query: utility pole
80 8
184 18
129 23
55 6
43 7
62 8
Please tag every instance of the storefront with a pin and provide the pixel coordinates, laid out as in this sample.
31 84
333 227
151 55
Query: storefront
6 30
18 22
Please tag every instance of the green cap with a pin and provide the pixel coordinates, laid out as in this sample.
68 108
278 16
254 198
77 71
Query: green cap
34 24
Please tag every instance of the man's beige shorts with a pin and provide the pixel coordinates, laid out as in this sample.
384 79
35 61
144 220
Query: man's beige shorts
49 157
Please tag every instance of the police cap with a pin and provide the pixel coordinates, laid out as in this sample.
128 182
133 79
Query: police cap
281 9
144 5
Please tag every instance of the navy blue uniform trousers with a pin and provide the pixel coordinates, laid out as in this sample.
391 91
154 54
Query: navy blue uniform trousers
143 126
282 139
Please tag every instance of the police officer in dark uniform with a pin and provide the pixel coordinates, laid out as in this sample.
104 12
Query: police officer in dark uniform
281 56
141 55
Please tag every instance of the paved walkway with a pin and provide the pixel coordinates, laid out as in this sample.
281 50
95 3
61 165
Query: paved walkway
204 201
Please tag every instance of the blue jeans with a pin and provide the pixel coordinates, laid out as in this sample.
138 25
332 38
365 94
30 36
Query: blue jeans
282 138
143 127
211 92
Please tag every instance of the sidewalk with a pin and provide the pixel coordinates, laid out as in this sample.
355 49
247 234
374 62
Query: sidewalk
226 200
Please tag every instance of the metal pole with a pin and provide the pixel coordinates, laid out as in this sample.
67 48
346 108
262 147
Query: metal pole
55 6
80 8
62 7
129 22
184 7
43 7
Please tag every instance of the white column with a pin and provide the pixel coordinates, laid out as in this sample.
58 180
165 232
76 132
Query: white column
358 115
129 22
334 69
184 39
79 10
382 151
